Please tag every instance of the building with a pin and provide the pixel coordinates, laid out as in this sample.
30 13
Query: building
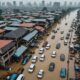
16 35
7 49
57 6
2 24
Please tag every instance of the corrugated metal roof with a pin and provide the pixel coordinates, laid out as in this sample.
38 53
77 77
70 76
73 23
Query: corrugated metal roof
38 20
30 35
2 30
16 34
5 45
10 28
20 51
27 25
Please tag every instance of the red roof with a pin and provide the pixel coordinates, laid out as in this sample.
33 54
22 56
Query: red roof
27 25
39 28
2 30
4 43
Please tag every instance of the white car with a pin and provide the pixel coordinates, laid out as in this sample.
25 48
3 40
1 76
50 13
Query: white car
65 42
34 59
53 54
48 46
40 74
31 68
41 50
62 37
42 57
20 77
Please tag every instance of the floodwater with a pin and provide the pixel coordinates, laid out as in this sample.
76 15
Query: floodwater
55 75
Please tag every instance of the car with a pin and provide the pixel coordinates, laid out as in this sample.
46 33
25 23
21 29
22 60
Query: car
31 68
41 51
77 68
34 59
65 23
12 76
62 32
58 45
20 70
55 31
40 74
26 59
48 46
51 66
53 36
45 43
42 57
53 54
20 77
62 57
62 37
65 42
6 68
63 72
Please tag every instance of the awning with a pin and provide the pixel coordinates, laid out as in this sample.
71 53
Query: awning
30 35
20 51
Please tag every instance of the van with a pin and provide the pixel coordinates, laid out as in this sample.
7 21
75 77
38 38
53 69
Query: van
42 57
31 68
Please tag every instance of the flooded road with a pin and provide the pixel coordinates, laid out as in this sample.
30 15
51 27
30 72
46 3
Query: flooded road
54 75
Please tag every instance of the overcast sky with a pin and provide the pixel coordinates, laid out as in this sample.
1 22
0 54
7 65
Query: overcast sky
40 0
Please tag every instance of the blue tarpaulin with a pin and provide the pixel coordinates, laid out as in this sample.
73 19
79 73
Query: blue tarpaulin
20 51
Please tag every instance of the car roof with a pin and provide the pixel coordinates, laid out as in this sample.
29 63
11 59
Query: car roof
41 71
19 77
13 76
32 65
41 48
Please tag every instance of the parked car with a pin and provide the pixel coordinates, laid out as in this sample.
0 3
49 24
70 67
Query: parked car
42 57
53 36
26 59
62 57
20 77
62 37
20 70
5 68
53 54
41 50
77 68
65 23
62 32
63 72
55 31
65 42
34 59
45 43
40 74
58 45
31 68
51 66
12 76
48 46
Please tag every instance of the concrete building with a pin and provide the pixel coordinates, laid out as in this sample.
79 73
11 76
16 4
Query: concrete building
56 6
7 49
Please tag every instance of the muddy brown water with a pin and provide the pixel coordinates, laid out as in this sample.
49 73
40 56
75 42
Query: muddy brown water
55 75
